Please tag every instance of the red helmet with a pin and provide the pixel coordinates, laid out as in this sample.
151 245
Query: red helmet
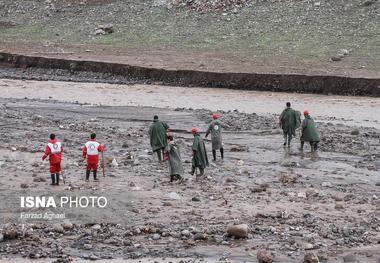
215 116
194 130
306 113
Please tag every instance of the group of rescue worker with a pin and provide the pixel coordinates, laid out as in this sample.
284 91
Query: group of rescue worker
90 151
166 148
290 121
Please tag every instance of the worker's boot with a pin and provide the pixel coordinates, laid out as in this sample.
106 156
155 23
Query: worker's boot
201 171
302 144
95 172
52 179
285 138
57 178
214 155
192 170
315 146
222 153
87 175
171 178
159 155
289 139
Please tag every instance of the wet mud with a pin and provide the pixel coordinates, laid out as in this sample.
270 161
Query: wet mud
320 84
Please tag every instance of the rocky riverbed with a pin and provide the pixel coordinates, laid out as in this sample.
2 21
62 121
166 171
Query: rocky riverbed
291 206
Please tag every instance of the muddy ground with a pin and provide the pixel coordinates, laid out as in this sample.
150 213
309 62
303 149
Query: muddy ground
294 202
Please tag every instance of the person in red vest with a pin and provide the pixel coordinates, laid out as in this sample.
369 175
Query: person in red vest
91 151
54 150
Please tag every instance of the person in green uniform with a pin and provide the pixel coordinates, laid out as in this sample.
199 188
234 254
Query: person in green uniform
289 121
215 129
175 161
200 159
157 134
309 132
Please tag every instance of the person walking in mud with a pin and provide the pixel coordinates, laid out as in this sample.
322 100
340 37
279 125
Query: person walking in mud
309 132
215 128
54 150
175 161
289 121
157 134
91 152
200 159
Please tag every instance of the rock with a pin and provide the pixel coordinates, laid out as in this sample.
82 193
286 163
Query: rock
96 227
185 233
114 163
93 257
263 256
199 236
156 236
238 231
326 184
174 196
343 52
23 185
308 246
67 225
339 205
58 228
87 246
336 58
10 233
195 199
99 32
369 2
310 258
1 237
355 132
124 145
104 29
287 179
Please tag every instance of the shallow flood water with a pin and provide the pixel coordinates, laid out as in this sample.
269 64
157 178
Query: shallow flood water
362 111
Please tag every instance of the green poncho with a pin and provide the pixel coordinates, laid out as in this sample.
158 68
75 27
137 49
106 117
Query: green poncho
289 120
200 156
175 161
157 134
309 132
215 129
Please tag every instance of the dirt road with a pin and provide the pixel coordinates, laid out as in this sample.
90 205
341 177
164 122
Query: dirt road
294 202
